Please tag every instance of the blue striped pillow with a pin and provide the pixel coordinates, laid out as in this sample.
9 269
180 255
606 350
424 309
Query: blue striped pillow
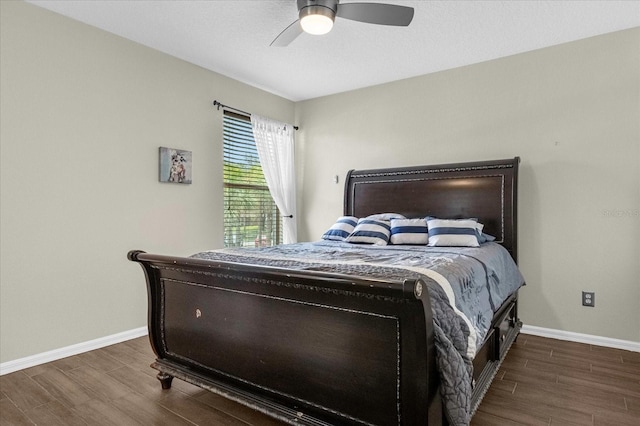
409 231
452 232
340 230
369 231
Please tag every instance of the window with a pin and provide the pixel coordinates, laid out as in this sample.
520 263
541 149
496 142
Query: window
251 217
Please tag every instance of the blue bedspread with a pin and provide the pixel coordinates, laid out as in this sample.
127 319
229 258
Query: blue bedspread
466 286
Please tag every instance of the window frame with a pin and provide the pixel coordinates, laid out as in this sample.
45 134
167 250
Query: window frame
235 148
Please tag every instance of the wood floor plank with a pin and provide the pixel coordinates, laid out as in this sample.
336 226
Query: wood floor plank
624 371
626 355
504 385
553 344
24 392
11 414
131 357
101 384
487 419
100 361
147 412
63 388
589 356
517 411
55 414
523 408
99 413
198 412
587 398
528 375
237 410
139 382
530 352
68 363
554 404
633 404
605 383
514 361
616 419
38 369
557 366
142 345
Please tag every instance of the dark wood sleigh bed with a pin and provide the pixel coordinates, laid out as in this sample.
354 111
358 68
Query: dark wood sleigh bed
297 345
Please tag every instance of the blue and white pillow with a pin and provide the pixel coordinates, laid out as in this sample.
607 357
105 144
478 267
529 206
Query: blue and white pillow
409 231
370 231
340 230
452 232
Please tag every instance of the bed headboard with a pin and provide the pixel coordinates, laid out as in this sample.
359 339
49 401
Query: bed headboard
487 190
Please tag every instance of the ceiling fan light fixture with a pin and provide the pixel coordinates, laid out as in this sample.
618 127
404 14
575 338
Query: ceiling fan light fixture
316 20
317 16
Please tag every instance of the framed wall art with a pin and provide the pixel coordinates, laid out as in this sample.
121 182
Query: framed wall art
175 165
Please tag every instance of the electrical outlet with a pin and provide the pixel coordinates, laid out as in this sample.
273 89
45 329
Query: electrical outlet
588 298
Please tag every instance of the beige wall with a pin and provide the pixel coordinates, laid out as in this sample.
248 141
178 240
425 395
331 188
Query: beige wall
83 113
572 112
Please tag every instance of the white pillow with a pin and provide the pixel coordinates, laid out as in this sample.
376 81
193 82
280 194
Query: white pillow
369 231
340 230
452 232
385 216
409 231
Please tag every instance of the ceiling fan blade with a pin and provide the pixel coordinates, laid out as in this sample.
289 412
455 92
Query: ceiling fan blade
376 13
288 35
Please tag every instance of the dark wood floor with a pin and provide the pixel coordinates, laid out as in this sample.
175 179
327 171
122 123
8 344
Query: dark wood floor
542 381
548 382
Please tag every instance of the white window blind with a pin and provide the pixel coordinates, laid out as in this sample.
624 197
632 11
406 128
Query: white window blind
251 217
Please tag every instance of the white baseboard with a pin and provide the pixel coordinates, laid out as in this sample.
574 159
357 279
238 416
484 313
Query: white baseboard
570 336
33 360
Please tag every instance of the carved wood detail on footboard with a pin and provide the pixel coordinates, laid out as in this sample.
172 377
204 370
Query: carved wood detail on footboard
306 348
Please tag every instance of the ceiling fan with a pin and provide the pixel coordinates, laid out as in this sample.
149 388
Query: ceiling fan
317 16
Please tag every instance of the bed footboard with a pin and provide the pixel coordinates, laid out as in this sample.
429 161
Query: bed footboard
306 348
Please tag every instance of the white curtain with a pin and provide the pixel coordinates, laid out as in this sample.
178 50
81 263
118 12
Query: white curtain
275 145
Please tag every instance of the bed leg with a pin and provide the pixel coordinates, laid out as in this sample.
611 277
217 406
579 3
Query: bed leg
165 380
519 324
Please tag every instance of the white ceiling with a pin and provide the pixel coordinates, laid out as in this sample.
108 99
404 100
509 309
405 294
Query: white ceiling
232 37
